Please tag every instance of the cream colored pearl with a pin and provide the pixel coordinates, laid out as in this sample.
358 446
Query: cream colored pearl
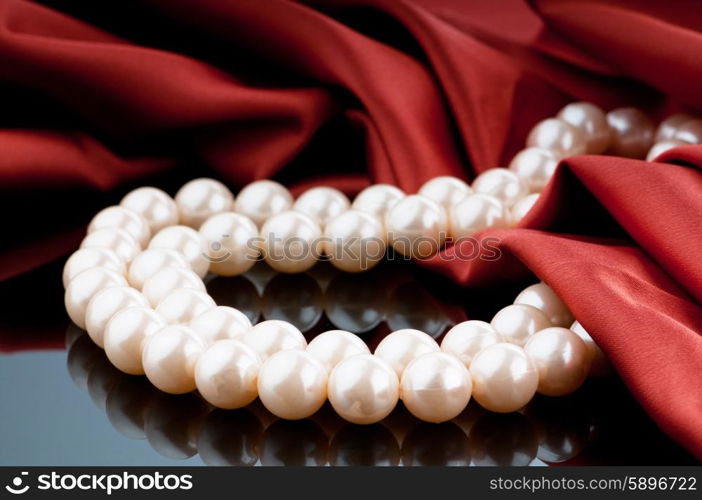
263 199
504 378
291 242
399 348
542 296
292 384
85 258
363 389
221 322
123 218
169 358
667 128
188 242
445 190
562 359
435 387
416 226
269 337
184 304
592 121
689 132
154 205
377 199
354 241
558 136
334 346
322 203
467 339
227 373
151 261
475 213
230 243
115 239
125 334
534 167
518 322
632 132
523 207
105 304
501 183
200 199
168 279
84 286
600 365
661 147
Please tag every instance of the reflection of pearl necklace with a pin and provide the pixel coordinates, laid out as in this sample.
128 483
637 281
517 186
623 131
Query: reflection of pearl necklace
150 311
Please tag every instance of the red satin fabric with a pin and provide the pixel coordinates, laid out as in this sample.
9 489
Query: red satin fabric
348 92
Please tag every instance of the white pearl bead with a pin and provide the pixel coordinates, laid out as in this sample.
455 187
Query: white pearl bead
263 199
632 132
230 243
475 213
501 183
363 389
188 242
219 323
125 334
168 279
184 304
402 346
468 338
435 387
322 203
169 358
377 199
504 378
523 206
226 374
151 261
562 359
667 128
516 323
201 198
534 167
592 121
84 286
115 239
354 241
542 296
85 258
105 304
559 136
269 337
445 190
600 365
291 242
661 147
154 205
123 218
334 346
416 226
690 132
292 385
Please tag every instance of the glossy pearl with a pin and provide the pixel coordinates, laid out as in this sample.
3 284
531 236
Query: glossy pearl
523 207
151 261
632 132
184 304
504 378
542 296
435 387
600 365
263 199
322 203
84 286
292 385
85 258
518 322
354 241
291 242
168 279
401 347
105 304
125 334
227 373
169 358
690 132
534 167
562 359
445 190
377 199
332 347
123 218
467 339
592 121
363 389
201 198
501 183
188 242
230 243
220 323
661 147
667 128
154 205
475 213
269 337
115 239
416 226
558 136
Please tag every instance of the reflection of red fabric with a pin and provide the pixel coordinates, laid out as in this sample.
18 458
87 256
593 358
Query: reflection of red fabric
280 89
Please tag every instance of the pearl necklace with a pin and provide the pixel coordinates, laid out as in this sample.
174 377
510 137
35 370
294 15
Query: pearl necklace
142 298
